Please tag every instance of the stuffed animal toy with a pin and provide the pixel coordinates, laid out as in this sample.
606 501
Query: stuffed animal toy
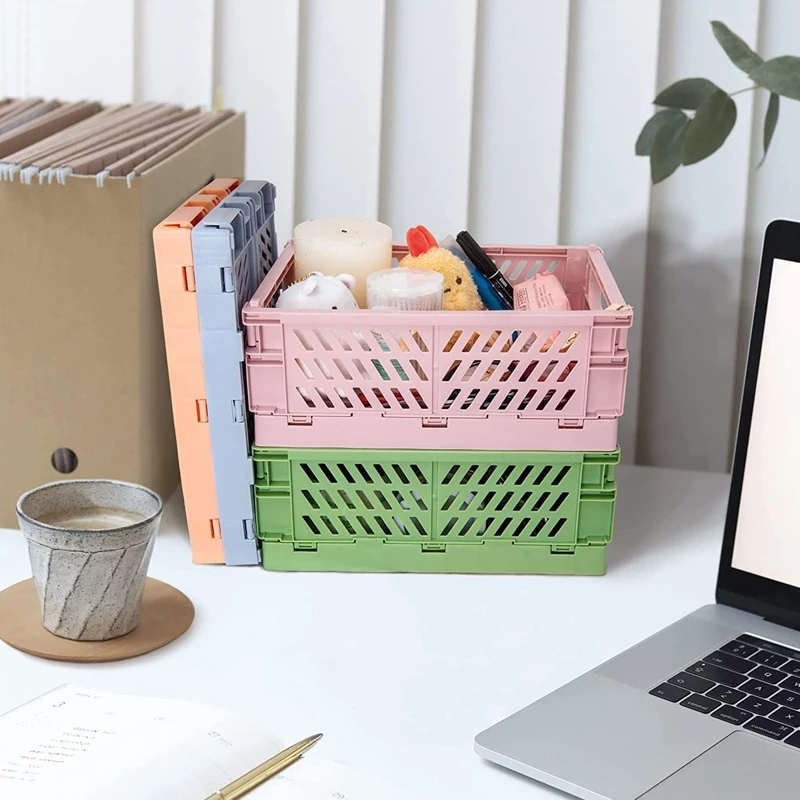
318 292
460 292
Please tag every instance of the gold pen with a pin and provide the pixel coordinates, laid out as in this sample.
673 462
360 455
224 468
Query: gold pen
265 771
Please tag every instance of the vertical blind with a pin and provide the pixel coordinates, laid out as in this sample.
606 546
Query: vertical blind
514 118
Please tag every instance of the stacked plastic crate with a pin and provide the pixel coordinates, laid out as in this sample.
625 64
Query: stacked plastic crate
442 441
209 260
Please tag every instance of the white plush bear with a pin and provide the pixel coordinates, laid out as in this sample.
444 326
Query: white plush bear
320 292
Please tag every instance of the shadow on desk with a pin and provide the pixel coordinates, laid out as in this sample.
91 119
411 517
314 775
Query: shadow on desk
660 509
173 522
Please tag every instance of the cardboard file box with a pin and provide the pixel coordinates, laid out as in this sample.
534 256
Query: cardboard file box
83 375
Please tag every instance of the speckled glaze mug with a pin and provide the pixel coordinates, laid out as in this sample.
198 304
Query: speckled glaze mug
90 543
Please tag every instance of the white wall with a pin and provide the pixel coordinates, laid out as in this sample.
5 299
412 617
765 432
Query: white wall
516 118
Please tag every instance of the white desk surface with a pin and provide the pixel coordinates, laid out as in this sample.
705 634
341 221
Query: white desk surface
401 671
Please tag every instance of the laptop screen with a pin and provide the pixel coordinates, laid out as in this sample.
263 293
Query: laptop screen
767 541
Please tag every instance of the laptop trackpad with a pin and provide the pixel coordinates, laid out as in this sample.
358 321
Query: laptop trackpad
741 767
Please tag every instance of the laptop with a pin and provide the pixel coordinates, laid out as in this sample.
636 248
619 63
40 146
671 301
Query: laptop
708 708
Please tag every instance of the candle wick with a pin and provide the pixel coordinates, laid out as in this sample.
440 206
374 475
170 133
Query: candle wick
343 230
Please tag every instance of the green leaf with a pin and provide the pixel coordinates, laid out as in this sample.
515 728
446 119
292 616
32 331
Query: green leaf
667 116
710 127
770 121
737 49
687 93
780 75
665 156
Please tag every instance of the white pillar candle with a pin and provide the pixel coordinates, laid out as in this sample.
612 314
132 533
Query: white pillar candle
334 246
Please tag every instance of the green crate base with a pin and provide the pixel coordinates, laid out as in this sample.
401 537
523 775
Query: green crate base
434 511
487 558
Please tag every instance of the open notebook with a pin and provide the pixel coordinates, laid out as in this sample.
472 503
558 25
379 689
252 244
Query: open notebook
79 744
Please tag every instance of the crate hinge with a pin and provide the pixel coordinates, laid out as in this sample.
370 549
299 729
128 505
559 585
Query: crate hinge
202 410
434 422
226 278
608 361
570 423
433 547
562 549
189 284
309 546
299 419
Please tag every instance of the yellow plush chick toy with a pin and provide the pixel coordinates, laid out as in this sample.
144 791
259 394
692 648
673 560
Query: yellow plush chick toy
460 292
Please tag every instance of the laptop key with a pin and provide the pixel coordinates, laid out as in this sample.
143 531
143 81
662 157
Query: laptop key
788 699
772 647
739 649
716 674
791 684
767 675
757 705
697 702
693 683
729 661
787 716
759 689
733 715
793 740
668 692
768 659
769 728
793 667
726 695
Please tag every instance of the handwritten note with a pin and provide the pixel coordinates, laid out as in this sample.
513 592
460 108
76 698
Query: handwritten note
78 744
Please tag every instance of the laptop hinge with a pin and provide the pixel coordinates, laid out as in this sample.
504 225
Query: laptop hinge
768 611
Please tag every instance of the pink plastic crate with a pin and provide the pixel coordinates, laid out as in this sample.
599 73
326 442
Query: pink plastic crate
515 380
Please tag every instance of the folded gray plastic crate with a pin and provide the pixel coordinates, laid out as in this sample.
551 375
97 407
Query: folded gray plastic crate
228 257
262 193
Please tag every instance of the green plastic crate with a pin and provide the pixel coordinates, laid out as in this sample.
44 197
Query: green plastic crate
434 511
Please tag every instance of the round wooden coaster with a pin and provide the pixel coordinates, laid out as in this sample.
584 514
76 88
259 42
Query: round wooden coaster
166 614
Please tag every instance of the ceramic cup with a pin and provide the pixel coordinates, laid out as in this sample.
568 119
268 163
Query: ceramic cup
90 543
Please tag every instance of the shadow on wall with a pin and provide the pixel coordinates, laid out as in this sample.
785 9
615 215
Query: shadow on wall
690 339
625 252
681 510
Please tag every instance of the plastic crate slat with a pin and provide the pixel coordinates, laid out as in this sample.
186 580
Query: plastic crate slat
490 557
362 429
262 194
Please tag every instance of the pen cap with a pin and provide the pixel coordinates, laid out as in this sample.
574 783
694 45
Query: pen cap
405 288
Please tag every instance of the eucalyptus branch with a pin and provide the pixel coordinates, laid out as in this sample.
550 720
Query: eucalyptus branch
672 138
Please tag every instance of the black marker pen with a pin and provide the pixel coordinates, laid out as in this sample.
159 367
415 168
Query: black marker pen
488 268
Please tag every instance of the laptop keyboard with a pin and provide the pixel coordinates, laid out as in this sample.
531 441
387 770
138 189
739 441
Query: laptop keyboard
749 682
